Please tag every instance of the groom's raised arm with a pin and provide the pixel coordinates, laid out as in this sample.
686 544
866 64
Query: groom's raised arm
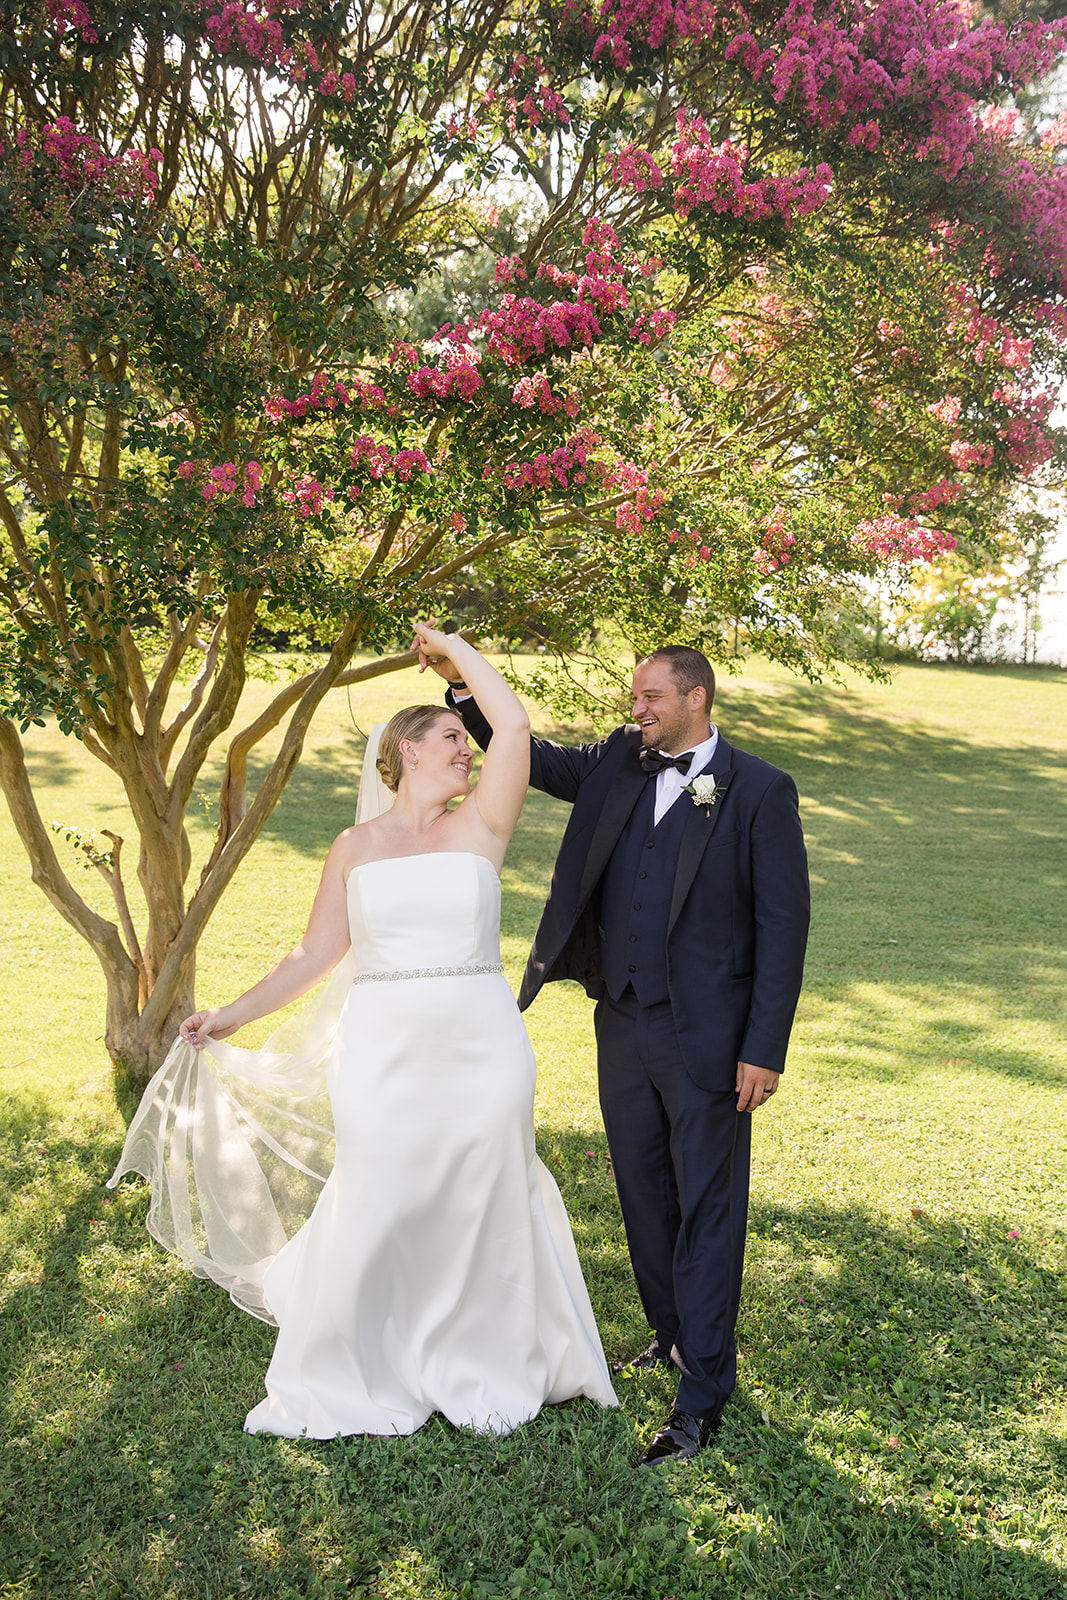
558 769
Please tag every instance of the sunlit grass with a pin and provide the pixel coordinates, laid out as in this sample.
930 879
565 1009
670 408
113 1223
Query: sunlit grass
899 1427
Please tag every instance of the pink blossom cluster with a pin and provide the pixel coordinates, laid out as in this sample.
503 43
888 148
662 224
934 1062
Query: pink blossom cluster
633 514
837 67
222 480
1054 317
963 454
1016 354
865 135
253 483
619 24
634 170
82 161
714 175
252 31
609 293
627 475
524 327
462 381
308 495
1054 137
985 333
541 104
454 128
775 549
325 396
1025 434
942 493
566 466
537 391
342 83
602 242
1038 201
1001 122
900 539
655 325
510 269
946 410
64 14
383 462
1036 403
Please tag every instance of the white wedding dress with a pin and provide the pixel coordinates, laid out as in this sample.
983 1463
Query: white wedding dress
437 1270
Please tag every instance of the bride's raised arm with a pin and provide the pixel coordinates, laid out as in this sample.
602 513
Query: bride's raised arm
505 774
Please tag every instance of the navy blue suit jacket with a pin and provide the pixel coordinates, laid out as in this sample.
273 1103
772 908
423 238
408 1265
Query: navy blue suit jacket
740 905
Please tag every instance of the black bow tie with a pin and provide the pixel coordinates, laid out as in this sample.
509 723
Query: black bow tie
654 761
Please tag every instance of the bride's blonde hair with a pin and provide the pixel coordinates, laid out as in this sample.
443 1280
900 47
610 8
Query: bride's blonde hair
413 723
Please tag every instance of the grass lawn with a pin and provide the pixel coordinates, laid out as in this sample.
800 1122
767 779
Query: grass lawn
900 1428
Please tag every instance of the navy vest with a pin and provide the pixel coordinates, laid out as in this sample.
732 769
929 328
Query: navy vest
635 899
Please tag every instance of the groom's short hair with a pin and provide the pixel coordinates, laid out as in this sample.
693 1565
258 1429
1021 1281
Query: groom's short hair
689 669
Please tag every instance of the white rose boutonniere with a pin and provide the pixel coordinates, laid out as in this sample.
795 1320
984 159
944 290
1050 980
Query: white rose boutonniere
704 790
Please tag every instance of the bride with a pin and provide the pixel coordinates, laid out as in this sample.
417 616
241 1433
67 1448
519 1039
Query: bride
436 1270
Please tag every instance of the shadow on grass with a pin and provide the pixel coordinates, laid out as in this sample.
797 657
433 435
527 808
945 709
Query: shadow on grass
125 1383
127 1473
47 768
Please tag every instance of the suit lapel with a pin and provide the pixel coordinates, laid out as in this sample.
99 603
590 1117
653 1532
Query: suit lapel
699 827
629 785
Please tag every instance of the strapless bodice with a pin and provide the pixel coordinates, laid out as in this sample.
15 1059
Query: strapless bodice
434 910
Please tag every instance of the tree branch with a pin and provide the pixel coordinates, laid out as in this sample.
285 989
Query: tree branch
45 869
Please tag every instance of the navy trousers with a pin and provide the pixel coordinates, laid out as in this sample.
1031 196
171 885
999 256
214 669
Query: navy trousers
681 1160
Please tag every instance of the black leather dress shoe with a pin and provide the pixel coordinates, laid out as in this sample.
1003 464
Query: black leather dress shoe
680 1437
654 1356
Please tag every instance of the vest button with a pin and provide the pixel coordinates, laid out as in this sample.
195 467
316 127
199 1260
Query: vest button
651 845
642 874
631 969
637 905
633 938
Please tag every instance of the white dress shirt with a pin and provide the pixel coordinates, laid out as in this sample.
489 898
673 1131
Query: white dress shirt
670 782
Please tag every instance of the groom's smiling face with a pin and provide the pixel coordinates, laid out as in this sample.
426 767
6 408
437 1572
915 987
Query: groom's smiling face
669 720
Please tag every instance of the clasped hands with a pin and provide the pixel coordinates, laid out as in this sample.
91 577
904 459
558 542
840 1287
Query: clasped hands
433 646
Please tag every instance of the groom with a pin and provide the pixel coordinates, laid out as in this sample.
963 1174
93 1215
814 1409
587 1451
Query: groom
682 907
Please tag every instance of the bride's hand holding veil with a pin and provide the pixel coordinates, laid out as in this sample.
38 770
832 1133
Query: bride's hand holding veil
204 1025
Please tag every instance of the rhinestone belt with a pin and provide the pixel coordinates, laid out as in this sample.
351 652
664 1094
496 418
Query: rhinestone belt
428 972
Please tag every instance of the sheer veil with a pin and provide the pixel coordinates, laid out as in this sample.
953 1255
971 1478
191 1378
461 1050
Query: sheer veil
237 1144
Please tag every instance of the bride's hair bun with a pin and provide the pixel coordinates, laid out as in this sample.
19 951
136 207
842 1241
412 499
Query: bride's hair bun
413 723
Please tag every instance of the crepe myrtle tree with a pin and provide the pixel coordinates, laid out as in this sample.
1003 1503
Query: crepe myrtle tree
756 303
